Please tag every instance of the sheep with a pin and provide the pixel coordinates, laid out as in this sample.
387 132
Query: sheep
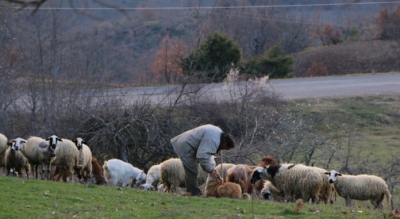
270 192
38 152
173 174
85 159
360 187
97 172
118 172
225 167
15 160
153 178
327 188
241 174
293 180
3 148
218 188
66 156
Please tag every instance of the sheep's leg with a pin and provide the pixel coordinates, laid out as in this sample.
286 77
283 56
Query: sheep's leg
27 171
348 202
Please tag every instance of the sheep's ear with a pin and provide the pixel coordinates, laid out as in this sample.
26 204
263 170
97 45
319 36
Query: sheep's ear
59 139
84 142
327 173
74 141
338 174
9 143
23 141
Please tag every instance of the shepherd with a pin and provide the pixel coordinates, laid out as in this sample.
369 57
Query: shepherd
196 146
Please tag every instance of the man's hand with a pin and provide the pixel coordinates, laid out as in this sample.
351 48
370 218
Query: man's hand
215 175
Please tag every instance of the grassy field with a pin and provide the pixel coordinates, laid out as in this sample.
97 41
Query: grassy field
45 199
375 125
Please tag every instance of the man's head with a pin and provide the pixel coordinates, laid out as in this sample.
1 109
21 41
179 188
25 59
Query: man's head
227 142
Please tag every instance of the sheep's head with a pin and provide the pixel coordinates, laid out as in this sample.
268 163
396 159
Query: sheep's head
79 142
257 174
147 187
53 141
333 175
16 144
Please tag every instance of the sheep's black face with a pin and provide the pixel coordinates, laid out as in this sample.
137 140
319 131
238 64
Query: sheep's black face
53 141
266 195
256 176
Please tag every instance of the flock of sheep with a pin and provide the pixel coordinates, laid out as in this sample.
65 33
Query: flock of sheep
268 180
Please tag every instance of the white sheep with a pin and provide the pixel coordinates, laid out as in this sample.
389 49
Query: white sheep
153 178
118 172
293 179
38 152
3 148
15 160
66 156
173 174
84 159
360 187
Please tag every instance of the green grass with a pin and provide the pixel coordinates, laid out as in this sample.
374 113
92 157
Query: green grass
21 198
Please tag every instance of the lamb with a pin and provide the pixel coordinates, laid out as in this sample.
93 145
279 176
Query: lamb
270 192
293 180
225 167
218 188
15 160
173 174
97 172
66 156
118 172
84 159
38 152
241 174
3 148
153 178
360 187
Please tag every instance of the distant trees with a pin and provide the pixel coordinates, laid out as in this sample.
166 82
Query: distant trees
389 24
169 58
213 59
275 63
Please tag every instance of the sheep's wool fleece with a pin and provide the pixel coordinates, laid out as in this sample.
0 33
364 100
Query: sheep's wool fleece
197 144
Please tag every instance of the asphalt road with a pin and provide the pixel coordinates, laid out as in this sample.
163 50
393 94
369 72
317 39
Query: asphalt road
296 88
337 86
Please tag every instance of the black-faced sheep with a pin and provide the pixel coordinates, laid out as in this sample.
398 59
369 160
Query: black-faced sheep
3 148
153 178
360 187
15 160
293 180
118 172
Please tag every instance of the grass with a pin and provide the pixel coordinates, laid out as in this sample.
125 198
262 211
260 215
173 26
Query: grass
23 198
